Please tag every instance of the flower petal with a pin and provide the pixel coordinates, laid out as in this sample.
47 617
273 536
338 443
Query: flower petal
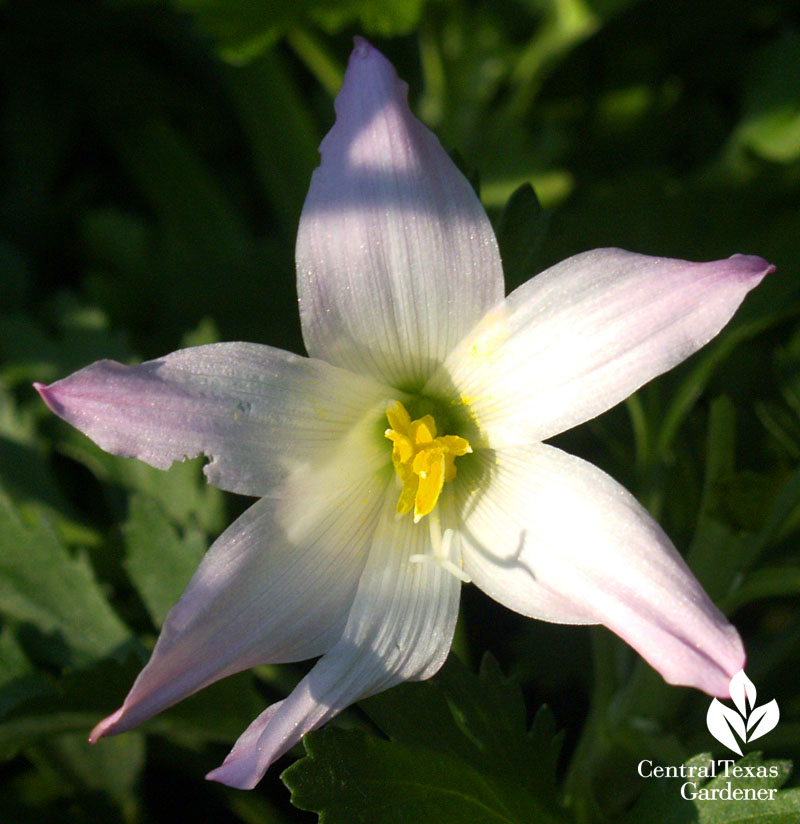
548 521
276 586
582 336
399 628
396 259
256 411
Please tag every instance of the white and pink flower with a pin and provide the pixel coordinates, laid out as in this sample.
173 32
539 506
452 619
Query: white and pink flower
401 300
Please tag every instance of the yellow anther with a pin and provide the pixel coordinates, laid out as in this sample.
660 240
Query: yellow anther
422 461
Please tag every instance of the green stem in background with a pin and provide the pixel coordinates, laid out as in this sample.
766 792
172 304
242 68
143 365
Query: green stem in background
460 645
784 515
317 59
283 679
579 793
646 696
656 448
695 383
649 470
566 23
30 729
641 435
432 100
250 808
764 583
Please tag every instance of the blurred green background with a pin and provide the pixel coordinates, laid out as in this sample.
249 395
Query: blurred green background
154 158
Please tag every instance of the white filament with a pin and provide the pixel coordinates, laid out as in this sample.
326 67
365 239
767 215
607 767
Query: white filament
441 545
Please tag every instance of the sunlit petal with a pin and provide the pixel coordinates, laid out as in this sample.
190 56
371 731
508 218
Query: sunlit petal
400 628
582 336
396 259
276 586
254 410
552 536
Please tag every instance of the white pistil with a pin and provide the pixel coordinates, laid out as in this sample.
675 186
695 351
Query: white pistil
441 545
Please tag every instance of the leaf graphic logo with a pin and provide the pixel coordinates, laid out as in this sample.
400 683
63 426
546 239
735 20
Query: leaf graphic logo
750 722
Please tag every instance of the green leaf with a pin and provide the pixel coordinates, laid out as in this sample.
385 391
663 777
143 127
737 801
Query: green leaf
782 420
250 808
663 802
246 28
218 713
112 768
389 18
741 515
181 490
480 718
19 681
765 583
201 251
50 728
350 777
520 231
45 589
159 560
25 474
771 127
183 191
16 274
471 173
283 158
116 239
80 699
459 749
29 353
73 704
704 365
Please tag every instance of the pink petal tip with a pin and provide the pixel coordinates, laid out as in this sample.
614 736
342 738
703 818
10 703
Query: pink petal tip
752 267
105 727
47 396
361 47
228 774
365 57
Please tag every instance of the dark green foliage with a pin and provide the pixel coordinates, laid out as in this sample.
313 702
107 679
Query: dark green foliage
459 749
521 230
154 158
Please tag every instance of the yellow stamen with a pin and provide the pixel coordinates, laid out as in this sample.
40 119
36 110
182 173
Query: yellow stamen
422 461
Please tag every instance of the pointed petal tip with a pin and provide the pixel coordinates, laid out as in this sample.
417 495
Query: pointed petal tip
46 394
54 397
752 267
367 64
228 774
361 47
105 727
364 51
386 205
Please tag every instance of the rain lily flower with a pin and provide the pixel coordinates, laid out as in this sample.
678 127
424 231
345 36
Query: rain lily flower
405 455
